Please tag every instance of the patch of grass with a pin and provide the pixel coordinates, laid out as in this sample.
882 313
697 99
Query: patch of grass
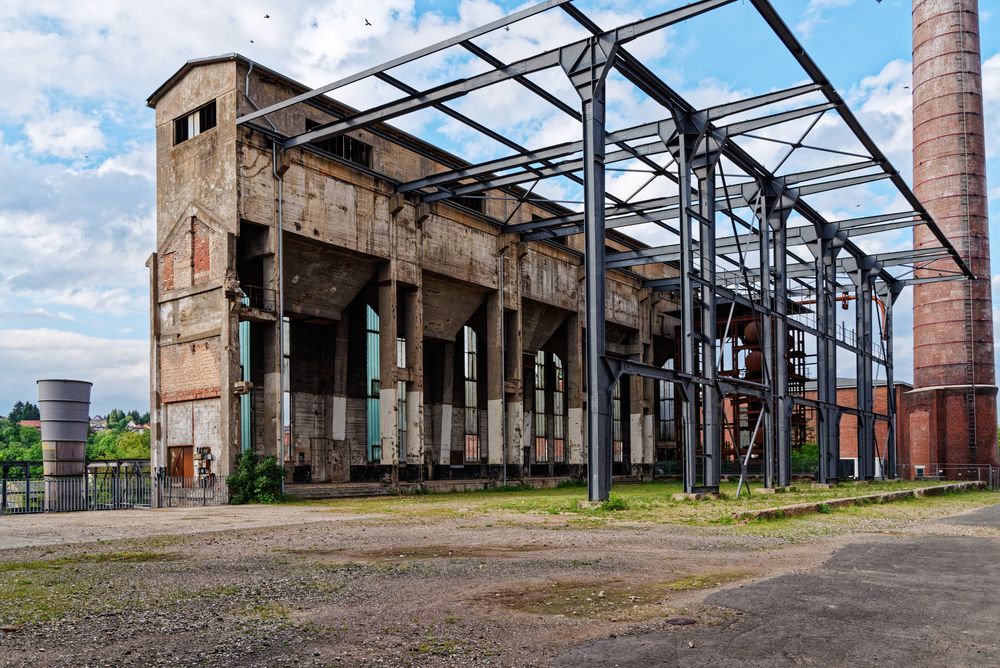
436 647
614 502
613 600
128 557
270 611
824 508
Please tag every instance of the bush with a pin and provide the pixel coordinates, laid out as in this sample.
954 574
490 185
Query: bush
255 480
614 502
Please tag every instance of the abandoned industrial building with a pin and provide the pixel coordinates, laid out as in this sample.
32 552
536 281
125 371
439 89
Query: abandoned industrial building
367 306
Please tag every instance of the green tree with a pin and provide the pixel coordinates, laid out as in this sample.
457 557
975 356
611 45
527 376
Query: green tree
19 443
24 410
117 419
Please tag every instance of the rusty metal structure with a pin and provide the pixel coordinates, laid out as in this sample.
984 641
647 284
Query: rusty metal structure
953 406
743 245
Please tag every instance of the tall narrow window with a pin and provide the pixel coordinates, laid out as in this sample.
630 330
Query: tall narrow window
372 376
665 422
541 433
559 412
471 370
401 400
286 394
617 440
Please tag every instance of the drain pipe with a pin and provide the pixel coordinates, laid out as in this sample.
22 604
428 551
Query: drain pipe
279 175
503 364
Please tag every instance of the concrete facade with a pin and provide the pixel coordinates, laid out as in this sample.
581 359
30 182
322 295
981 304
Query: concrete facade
350 247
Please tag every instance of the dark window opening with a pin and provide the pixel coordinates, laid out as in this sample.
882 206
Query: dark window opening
471 202
348 148
193 124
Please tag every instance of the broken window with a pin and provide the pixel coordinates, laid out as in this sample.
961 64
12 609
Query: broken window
476 203
665 422
349 148
470 354
541 436
194 123
559 412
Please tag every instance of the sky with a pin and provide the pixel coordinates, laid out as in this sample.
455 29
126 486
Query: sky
77 188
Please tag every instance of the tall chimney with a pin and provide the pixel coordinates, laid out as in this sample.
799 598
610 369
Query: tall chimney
953 366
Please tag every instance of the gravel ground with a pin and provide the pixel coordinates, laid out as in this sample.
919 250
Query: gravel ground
304 586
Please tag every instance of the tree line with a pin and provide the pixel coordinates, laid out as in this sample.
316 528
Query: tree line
19 443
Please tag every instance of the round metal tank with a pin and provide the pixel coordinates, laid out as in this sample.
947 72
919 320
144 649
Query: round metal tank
65 415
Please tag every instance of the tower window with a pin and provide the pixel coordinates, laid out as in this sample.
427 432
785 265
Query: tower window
193 124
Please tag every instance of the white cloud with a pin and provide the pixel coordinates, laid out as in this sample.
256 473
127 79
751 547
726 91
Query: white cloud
119 368
815 14
65 134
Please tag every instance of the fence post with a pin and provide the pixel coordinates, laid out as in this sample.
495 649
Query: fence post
27 487
3 500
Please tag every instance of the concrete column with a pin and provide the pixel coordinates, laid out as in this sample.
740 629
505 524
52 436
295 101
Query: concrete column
413 328
388 364
514 381
574 391
156 450
447 404
271 420
494 379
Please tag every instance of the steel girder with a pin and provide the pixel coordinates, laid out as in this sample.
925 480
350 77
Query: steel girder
706 146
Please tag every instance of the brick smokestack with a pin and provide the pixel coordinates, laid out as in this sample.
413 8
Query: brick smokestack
954 403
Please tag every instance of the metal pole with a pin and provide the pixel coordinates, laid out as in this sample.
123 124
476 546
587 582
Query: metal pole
890 384
866 423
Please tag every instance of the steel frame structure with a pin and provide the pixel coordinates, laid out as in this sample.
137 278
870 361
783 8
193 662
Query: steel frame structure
718 184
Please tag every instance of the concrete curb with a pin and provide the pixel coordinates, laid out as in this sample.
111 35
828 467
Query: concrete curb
881 497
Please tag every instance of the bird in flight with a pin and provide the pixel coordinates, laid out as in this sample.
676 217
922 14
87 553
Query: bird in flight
267 16
367 22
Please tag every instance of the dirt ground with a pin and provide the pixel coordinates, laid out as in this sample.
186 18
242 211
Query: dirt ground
324 585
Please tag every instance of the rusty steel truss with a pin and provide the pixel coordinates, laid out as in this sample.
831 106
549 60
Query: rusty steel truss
745 236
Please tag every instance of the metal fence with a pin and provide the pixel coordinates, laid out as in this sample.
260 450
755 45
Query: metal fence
174 492
107 485
954 473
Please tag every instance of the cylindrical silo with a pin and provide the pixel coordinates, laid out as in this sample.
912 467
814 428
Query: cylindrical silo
65 411
953 366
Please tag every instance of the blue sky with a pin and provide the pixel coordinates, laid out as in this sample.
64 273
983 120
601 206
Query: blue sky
76 139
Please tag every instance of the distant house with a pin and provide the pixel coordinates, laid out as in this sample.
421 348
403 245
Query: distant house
98 423
34 424
138 428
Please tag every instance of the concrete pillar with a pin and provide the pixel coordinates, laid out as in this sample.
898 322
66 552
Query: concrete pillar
494 379
271 419
447 404
388 373
514 381
413 328
576 455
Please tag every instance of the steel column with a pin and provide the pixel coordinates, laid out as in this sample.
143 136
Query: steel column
865 378
704 168
826 353
777 218
889 296
767 339
587 67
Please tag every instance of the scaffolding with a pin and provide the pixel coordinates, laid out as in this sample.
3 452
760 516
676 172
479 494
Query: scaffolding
750 249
